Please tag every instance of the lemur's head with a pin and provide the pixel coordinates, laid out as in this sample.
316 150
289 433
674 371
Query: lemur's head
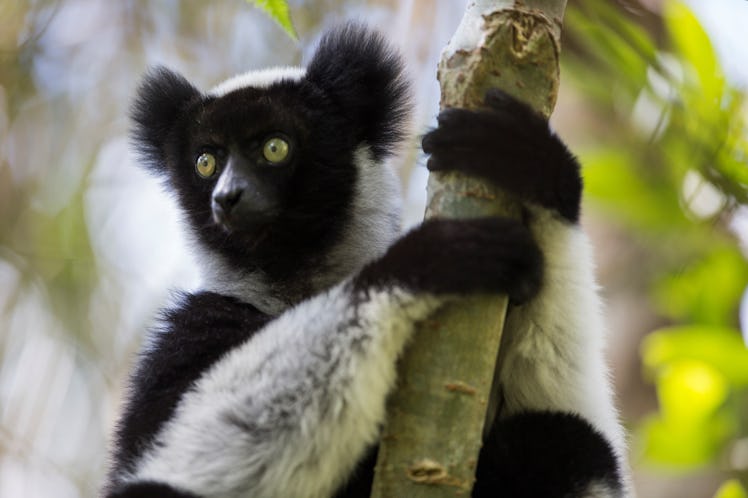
280 170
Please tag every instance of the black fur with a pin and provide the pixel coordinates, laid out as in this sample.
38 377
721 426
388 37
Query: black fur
361 480
544 454
459 257
149 490
193 336
512 146
162 98
363 78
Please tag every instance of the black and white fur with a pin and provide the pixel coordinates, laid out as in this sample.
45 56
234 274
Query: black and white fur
272 381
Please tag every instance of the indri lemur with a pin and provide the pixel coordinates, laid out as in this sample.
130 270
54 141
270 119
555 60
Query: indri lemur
272 380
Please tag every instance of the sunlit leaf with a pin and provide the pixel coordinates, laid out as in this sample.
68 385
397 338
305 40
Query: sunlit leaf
731 489
707 292
689 430
690 391
722 349
666 442
279 12
693 44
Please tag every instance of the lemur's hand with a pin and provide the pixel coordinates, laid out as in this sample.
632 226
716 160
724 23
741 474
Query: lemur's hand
510 145
461 256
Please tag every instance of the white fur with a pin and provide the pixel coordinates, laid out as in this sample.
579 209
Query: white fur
261 78
600 490
308 392
374 221
250 286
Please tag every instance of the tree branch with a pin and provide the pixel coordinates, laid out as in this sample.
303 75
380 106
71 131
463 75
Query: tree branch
432 438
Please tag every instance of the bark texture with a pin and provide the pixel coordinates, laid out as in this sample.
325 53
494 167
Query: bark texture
432 437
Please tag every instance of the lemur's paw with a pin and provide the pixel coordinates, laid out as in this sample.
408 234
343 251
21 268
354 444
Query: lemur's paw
495 255
509 144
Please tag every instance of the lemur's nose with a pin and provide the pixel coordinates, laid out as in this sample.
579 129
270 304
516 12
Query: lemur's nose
228 198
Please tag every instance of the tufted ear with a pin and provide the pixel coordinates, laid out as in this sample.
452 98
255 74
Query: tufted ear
161 98
363 76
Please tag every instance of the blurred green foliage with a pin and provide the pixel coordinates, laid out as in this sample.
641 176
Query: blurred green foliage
674 171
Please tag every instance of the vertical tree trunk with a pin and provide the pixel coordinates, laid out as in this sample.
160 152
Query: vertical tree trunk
432 437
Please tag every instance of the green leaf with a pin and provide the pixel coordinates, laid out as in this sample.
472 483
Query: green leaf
279 12
610 50
722 349
692 43
690 391
708 291
670 443
731 489
689 430
635 35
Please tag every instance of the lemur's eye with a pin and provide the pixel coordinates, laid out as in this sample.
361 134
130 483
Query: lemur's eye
206 165
275 150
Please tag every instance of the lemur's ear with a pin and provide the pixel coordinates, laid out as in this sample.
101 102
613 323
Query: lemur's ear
161 98
363 76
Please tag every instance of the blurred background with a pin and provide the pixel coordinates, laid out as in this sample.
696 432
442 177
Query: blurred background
652 100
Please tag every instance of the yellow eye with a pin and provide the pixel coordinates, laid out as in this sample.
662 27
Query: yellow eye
206 165
275 150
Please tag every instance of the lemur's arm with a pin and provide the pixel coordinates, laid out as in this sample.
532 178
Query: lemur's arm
291 410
